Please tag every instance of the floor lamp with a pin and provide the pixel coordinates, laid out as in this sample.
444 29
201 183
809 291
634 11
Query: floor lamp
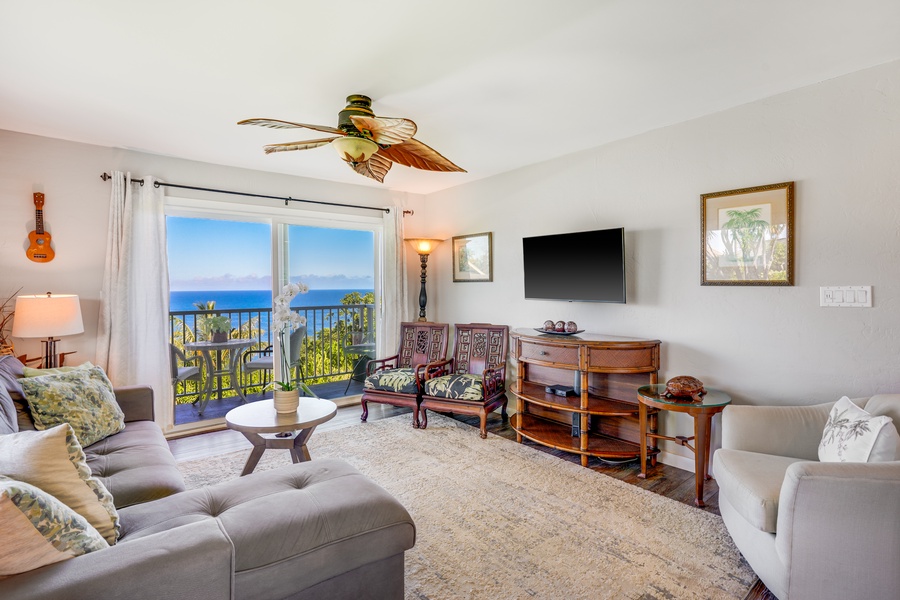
423 247
47 316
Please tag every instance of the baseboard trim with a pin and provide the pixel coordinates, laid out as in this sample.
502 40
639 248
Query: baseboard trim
676 460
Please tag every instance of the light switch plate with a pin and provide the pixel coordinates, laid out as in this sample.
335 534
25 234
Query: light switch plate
846 296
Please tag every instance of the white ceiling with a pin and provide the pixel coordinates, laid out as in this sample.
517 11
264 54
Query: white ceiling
494 85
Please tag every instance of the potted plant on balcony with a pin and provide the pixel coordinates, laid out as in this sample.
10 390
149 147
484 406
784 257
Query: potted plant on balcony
217 328
286 396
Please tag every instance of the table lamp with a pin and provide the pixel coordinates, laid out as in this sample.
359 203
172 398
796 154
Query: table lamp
47 316
423 247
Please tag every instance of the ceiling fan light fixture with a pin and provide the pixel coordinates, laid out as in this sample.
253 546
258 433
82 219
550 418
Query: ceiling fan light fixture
354 149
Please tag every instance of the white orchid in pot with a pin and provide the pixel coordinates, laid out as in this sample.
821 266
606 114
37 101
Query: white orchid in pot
284 322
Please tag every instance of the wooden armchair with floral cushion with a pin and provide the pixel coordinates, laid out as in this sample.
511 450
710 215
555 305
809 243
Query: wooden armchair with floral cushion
394 380
473 381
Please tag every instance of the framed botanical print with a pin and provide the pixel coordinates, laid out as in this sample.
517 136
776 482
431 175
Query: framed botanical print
748 236
472 257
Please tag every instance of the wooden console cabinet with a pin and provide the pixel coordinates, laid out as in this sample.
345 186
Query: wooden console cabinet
601 419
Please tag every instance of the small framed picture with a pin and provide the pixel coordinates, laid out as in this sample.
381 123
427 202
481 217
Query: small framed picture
472 257
748 236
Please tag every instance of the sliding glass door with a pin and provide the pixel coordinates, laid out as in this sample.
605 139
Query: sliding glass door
223 271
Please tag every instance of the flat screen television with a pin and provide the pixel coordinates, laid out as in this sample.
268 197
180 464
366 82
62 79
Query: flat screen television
586 266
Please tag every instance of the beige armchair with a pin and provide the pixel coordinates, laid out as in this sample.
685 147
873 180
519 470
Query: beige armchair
810 530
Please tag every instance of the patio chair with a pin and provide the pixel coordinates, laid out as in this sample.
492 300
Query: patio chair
181 368
473 380
265 358
394 380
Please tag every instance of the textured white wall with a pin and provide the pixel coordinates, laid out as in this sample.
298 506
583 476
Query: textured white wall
77 206
838 140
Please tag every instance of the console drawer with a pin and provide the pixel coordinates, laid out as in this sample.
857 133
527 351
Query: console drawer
640 358
556 355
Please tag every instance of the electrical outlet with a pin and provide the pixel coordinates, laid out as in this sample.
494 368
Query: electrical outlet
846 296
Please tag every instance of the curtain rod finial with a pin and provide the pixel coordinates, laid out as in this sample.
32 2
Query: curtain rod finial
408 212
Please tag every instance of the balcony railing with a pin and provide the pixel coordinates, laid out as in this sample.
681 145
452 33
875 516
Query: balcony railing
323 356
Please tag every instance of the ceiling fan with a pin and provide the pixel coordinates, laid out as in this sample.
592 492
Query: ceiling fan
369 144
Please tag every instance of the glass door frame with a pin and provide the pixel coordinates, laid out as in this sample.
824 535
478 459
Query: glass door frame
279 218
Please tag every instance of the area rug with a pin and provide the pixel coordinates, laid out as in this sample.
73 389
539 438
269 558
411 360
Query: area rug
500 520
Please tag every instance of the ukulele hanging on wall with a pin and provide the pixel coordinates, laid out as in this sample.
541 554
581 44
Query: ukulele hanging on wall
39 249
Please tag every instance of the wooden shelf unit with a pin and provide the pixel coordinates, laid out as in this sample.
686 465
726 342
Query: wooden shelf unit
607 370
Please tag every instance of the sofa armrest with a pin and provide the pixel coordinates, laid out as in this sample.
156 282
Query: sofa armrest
838 532
136 401
793 431
192 561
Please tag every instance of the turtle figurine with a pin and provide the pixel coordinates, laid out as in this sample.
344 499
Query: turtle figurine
684 388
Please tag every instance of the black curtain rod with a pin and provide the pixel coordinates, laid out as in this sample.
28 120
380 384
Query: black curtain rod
107 176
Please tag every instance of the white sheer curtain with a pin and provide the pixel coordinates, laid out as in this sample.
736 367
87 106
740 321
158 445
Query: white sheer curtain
395 289
132 339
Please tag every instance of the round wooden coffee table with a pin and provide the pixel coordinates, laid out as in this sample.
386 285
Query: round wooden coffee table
265 428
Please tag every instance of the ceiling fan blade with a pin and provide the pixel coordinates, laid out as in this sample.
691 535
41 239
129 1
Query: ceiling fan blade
385 130
302 145
376 167
417 155
278 124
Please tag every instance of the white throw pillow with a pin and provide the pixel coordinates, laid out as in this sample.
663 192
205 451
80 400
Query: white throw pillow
53 461
853 435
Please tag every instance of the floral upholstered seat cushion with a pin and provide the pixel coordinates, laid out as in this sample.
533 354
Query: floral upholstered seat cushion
402 381
457 387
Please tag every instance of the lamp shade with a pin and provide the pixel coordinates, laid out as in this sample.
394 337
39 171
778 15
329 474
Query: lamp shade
423 245
354 149
47 316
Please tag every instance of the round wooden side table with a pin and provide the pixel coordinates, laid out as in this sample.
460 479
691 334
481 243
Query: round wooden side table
266 428
710 404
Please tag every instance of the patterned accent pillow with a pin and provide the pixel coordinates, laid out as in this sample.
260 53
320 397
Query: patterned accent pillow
459 387
853 435
29 372
402 381
53 461
84 398
36 529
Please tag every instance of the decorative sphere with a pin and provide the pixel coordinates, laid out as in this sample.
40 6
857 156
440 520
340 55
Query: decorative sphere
560 326
549 325
571 327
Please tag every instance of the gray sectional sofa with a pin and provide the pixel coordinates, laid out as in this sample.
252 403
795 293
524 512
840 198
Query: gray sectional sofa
312 530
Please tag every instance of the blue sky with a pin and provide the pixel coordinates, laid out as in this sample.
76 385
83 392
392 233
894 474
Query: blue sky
211 254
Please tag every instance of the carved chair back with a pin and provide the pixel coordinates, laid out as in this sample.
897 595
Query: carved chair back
480 346
422 343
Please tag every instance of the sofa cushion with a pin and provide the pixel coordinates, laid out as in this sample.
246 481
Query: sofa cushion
11 369
32 372
402 381
8 421
83 398
36 529
853 435
135 465
752 483
53 461
341 518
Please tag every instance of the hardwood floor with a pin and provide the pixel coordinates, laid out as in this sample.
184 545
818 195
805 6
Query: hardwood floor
665 480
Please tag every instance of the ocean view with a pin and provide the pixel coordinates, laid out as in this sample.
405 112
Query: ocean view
261 300
252 299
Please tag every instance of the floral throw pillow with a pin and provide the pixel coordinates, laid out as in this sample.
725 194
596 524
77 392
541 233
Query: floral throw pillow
53 461
84 398
853 435
36 529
